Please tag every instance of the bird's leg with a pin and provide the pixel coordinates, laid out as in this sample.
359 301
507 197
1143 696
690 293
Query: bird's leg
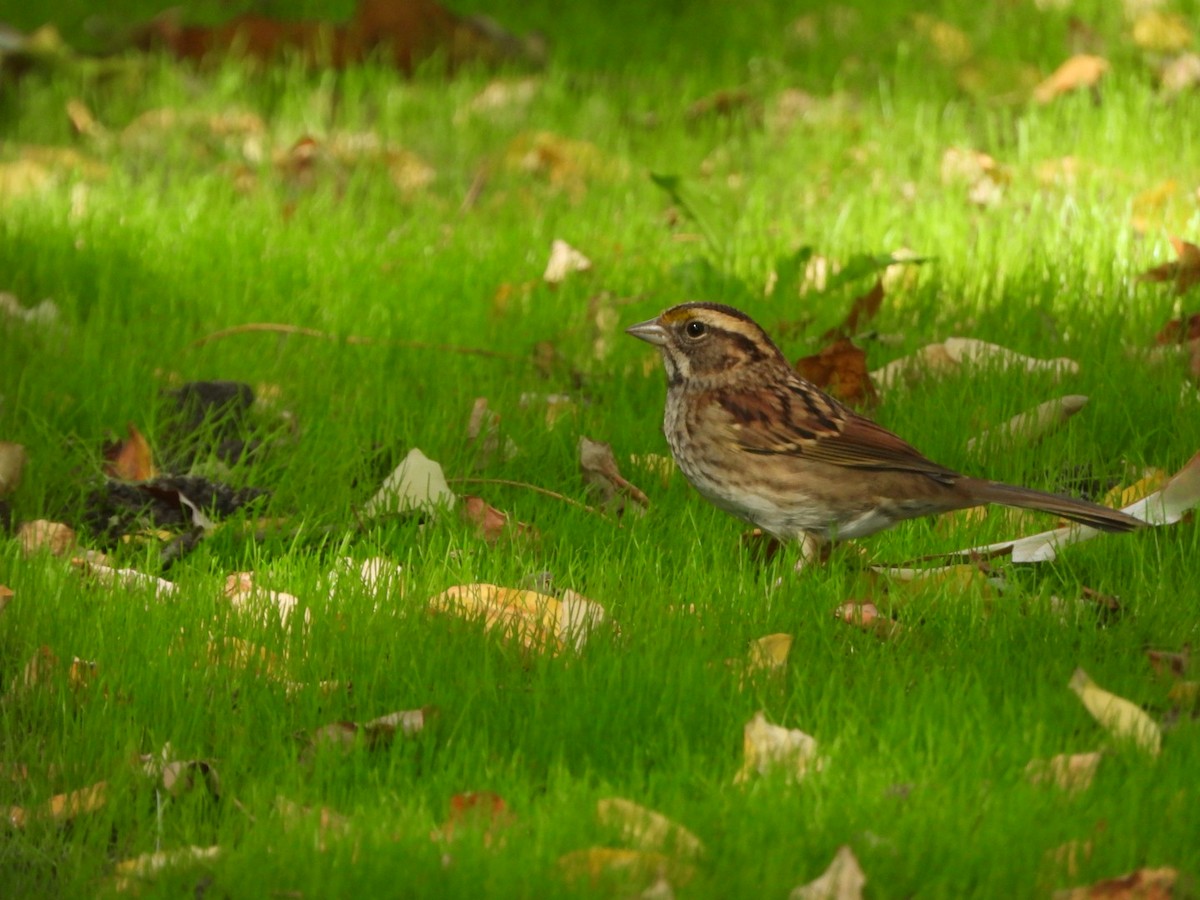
814 549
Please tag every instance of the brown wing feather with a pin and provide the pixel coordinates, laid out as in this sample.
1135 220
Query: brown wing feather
817 427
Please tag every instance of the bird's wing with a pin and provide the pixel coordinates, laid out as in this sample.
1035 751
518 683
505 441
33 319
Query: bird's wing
800 420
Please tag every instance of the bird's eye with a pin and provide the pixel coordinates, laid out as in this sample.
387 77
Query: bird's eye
695 329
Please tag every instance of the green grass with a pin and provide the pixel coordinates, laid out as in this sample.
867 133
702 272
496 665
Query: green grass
926 736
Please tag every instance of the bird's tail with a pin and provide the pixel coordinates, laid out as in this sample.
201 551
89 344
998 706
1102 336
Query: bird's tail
1086 513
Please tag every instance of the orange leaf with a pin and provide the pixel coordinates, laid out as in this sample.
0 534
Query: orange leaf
841 369
130 460
1185 274
1080 71
1141 884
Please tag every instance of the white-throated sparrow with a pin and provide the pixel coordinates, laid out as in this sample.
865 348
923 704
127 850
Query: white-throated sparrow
763 443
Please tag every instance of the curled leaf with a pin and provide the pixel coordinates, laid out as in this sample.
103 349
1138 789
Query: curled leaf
1121 718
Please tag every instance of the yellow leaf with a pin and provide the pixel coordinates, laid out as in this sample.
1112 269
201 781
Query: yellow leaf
62 807
648 829
769 653
536 620
1122 719
1161 32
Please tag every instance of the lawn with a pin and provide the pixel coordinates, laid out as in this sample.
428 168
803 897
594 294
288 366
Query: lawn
391 234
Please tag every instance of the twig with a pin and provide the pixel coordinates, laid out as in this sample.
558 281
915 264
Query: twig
531 487
284 328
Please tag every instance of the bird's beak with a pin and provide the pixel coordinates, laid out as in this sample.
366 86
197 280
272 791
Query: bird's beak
649 331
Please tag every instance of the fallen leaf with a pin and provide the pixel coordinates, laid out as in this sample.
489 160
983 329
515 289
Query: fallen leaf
1141 884
1164 662
646 829
1123 719
1070 856
1080 71
45 313
491 523
483 811
374 735
236 653
599 468
565 163
61 807
1071 772
37 672
1153 479
725 104
1180 74
1032 424
768 747
329 823
960 352
536 620
983 178
1184 273
127 578
950 44
42 534
843 880
840 369
564 260
129 872
12 462
865 615
378 576
1161 32
416 484
181 776
245 596
6 595
501 95
769 653
131 459
598 864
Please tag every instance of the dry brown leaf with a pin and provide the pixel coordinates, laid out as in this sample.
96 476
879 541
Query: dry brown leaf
483 811
1071 772
840 369
6 595
725 104
843 880
1179 331
37 672
647 829
1081 71
768 747
599 468
1121 718
1141 884
983 178
42 534
537 621
375 734
1164 662
491 523
1183 273
129 872
866 615
62 807
131 459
